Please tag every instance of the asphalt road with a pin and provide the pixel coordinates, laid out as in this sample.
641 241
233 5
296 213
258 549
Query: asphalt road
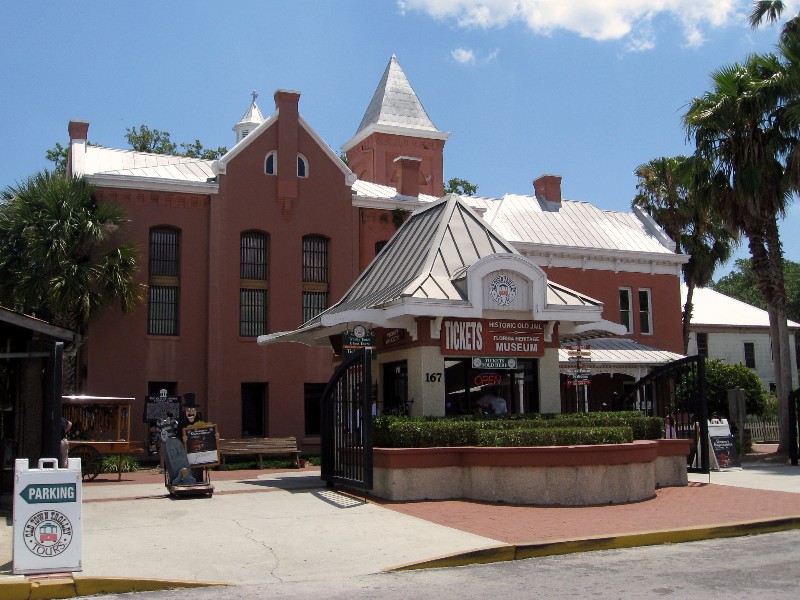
763 566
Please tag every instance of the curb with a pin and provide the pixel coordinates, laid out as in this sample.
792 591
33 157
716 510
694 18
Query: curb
20 587
507 552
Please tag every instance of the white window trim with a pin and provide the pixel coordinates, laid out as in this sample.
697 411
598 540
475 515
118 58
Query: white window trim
274 154
305 162
630 308
649 293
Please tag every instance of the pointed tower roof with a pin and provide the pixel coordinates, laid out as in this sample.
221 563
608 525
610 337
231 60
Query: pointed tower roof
251 119
395 108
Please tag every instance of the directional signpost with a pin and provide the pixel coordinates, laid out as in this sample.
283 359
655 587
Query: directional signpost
47 517
579 378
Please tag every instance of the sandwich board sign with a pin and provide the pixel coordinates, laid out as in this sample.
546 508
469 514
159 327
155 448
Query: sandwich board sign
47 517
723 453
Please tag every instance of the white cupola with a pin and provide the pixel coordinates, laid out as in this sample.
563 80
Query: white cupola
252 118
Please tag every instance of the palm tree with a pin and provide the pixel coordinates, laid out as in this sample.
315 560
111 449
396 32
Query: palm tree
58 259
675 191
740 128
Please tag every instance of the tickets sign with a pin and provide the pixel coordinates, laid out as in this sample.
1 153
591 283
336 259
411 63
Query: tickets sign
492 337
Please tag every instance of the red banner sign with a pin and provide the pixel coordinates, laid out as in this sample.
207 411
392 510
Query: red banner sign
492 337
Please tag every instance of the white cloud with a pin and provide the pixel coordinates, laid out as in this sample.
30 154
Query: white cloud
594 19
464 56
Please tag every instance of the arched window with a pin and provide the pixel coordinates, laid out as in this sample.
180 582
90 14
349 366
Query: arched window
164 281
271 163
253 283
315 275
302 166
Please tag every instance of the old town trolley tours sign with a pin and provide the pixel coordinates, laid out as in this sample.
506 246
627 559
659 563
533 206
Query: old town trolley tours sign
47 517
492 337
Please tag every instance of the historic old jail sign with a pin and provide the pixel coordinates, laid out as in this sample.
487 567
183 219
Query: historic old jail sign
492 337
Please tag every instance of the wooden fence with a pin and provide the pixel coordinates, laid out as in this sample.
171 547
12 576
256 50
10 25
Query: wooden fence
763 431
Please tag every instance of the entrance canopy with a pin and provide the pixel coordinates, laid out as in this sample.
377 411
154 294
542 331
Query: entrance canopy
446 261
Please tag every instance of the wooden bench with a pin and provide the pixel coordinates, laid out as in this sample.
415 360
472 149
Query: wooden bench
260 447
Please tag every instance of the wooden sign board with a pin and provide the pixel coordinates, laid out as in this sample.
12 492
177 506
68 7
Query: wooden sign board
202 445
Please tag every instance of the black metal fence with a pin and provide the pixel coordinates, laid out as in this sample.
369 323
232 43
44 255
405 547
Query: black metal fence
346 434
794 414
676 392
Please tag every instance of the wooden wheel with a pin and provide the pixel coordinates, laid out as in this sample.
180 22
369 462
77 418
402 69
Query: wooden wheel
91 461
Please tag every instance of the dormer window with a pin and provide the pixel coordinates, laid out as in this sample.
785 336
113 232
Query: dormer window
271 163
302 166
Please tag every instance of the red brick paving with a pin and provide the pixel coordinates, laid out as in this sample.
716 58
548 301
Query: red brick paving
695 505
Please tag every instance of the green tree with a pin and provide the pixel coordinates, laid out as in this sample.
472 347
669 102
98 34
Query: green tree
58 257
196 150
462 187
58 155
740 127
721 377
154 141
741 284
675 192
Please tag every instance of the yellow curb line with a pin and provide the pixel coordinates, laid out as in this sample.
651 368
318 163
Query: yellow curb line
507 552
77 585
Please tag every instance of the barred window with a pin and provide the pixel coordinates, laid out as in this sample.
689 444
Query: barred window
164 281
252 312
165 246
162 310
253 269
315 276
315 259
313 304
253 255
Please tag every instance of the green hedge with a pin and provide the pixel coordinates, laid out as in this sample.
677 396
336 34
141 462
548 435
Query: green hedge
565 429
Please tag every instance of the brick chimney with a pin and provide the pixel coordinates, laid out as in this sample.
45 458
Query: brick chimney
286 102
548 187
78 130
408 175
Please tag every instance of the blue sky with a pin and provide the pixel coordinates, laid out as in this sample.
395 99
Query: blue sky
586 89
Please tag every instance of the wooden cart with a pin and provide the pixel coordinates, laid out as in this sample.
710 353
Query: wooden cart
100 425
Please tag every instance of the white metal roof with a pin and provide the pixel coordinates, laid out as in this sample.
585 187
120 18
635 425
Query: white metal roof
128 163
712 308
369 190
570 223
619 352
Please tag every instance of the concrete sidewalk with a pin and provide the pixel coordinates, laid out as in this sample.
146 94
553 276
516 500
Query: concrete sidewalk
270 526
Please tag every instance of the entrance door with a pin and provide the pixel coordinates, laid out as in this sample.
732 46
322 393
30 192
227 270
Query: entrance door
395 389
254 410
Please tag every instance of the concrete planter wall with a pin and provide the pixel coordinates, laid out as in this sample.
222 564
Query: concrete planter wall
553 475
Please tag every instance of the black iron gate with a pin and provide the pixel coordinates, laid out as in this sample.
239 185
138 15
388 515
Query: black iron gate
676 392
346 433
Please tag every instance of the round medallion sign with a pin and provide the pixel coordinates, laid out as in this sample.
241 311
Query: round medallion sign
503 290
47 533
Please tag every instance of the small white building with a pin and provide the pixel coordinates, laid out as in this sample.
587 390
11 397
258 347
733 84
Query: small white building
727 329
